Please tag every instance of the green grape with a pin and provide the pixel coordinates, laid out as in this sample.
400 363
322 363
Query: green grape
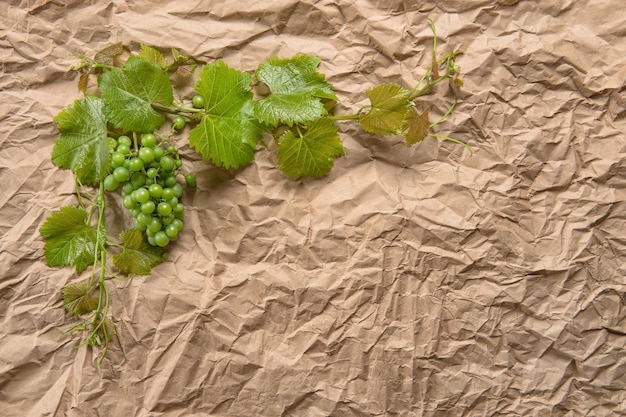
148 140
151 240
123 149
110 183
135 164
171 149
143 219
171 231
158 153
178 122
141 195
190 180
127 188
148 207
178 190
167 220
170 181
155 190
179 163
139 226
121 174
124 140
172 202
198 102
164 209
152 173
134 212
138 179
167 163
161 239
155 225
167 193
178 223
129 202
117 159
179 211
146 154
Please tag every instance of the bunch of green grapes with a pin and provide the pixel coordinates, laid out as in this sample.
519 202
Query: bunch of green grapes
147 174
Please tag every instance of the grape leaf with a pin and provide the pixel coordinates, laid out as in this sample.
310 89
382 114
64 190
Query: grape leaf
107 55
183 64
297 90
83 145
129 94
389 107
228 131
416 126
77 300
83 82
153 56
138 257
69 240
312 154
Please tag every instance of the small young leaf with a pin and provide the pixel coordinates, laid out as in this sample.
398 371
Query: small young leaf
69 240
386 115
153 56
297 90
102 336
311 154
107 55
82 145
228 132
183 64
77 300
138 257
83 82
129 94
416 126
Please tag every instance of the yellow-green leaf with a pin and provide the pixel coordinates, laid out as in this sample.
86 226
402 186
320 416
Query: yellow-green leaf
387 112
416 126
312 153
138 257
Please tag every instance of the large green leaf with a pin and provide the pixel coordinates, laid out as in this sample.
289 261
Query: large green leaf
312 153
82 145
297 90
389 107
130 93
138 256
228 131
69 240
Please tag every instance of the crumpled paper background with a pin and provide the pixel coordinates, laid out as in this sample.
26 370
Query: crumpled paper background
409 282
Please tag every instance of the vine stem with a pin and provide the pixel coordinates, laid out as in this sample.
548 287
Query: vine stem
469 149
344 117
105 66
176 110
442 118
100 257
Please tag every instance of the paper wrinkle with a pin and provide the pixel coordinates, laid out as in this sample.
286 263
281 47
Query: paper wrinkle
411 281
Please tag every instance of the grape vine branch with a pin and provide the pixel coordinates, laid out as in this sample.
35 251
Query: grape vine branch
118 145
